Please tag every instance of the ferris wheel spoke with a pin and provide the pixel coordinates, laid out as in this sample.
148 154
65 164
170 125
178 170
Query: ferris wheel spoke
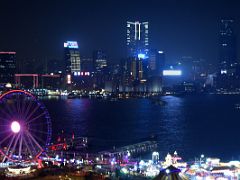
5 131
15 144
31 143
29 150
39 139
38 131
23 107
11 111
40 123
34 140
29 116
3 119
2 141
32 119
18 103
14 109
25 113
9 146
5 113
14 105
20 147
4 124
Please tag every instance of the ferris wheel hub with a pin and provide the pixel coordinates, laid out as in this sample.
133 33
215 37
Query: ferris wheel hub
15 127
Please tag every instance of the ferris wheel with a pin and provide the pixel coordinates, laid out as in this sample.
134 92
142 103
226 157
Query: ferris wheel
25 127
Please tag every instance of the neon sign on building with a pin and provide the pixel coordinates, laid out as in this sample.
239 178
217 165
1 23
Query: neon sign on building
71 44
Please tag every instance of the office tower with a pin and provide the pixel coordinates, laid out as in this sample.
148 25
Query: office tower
136 68
72 57
99 60
7 67
137 38
227 44
156 62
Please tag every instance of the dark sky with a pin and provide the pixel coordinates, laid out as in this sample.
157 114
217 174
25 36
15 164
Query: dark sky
38 28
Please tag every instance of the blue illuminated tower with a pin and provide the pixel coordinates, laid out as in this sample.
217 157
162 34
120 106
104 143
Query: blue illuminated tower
156 62
137 38
99 60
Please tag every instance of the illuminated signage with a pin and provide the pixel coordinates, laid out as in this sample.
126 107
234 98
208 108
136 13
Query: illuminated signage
68 79
81 73
172 72
142 56
71 44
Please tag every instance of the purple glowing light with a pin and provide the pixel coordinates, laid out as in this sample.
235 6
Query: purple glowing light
15 126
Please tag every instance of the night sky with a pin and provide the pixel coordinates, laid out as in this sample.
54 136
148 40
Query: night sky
37 29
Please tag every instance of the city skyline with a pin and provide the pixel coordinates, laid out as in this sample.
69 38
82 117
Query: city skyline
171 23
120 89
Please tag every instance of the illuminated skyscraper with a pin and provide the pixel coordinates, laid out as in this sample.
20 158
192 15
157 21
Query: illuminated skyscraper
99 60
137 38
227 44
136 68
72 57
156 63
7 67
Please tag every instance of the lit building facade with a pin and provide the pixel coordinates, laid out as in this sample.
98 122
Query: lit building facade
156 62
7 67
136 68
72 57
99 60
137 38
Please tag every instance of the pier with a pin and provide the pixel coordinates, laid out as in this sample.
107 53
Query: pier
133 149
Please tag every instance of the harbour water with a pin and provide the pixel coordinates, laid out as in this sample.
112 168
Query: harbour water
192 125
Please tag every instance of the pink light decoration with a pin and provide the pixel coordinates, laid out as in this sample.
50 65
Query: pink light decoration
15 126
7 52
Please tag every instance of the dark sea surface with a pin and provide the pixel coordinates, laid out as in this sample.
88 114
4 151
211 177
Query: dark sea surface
192 125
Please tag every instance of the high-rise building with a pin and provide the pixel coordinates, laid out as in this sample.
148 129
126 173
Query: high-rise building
136 68
99 60
137 38
227 44
72 57
156 62
7 67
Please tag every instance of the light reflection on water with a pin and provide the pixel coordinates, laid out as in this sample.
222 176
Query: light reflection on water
191 125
